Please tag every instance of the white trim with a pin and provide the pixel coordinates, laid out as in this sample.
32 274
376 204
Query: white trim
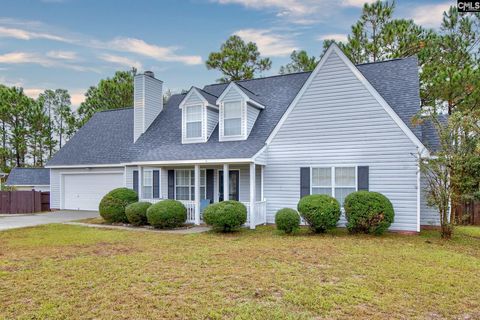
227 89
200 161
418 195
364 81
90 172
27 185
253 193
85 166
190 92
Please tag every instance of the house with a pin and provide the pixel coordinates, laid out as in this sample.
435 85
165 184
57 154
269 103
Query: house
335 130
26 179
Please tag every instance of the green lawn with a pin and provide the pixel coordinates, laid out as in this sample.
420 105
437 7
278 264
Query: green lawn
66 272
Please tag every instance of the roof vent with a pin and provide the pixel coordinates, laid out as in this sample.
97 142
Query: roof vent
150 74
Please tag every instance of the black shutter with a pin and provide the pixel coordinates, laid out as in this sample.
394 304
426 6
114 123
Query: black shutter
171 184
210 185
156 184
362 178
135 181
304 181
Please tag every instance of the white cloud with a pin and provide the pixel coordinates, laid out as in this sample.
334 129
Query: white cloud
339 37
33 92
123 61
28 35
44 61
356 3
429 15
24 57
63 55
269 43
298 11
163 54
283 7
77 97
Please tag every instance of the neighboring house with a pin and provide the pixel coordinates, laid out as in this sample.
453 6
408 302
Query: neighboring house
335 130
25 179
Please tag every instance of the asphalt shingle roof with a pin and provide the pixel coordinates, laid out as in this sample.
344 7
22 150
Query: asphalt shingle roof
108 137
29 177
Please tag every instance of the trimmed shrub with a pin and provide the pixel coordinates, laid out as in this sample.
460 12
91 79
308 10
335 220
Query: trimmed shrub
225 216
287 220
112 206
320 211
167 214
137 213
368 212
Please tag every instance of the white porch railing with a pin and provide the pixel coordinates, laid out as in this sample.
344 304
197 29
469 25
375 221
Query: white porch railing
260 210
260 214
190 205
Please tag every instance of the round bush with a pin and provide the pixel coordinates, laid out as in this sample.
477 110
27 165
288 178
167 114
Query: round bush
368 212
225 216
112 206
287 220
167 214
320 211
137 213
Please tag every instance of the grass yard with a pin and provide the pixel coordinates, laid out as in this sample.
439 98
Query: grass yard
69 272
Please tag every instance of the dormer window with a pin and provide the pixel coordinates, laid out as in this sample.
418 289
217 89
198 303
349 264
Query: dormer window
194 121
232 117
239 110
199 116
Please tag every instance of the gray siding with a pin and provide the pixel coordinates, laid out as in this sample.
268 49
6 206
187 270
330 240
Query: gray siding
138 107
212 121
252 114
148 102
428 215
153 100
338 122
55 184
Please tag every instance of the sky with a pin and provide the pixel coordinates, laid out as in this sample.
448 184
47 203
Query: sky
72 44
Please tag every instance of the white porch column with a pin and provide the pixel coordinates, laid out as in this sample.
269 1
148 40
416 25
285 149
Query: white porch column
252 195
140 182
197 194
226 182
261 183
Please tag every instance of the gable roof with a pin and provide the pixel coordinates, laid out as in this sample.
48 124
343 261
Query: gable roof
108 137
29 177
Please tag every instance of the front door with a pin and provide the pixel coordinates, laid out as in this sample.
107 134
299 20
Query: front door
234 185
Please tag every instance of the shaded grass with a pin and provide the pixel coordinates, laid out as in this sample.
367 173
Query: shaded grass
63 272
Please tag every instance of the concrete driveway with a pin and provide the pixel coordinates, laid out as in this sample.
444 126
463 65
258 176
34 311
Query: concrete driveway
30 220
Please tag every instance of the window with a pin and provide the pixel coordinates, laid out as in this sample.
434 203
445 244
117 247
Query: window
337 182
185 184
147 184
193 120
232 118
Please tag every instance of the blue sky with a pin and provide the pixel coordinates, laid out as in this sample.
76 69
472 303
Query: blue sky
49 44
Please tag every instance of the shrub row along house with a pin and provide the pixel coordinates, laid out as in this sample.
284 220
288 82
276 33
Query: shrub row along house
335 130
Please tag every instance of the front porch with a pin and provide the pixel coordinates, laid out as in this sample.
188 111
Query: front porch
199 185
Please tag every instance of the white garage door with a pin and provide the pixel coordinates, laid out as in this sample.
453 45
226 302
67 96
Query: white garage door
84 191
